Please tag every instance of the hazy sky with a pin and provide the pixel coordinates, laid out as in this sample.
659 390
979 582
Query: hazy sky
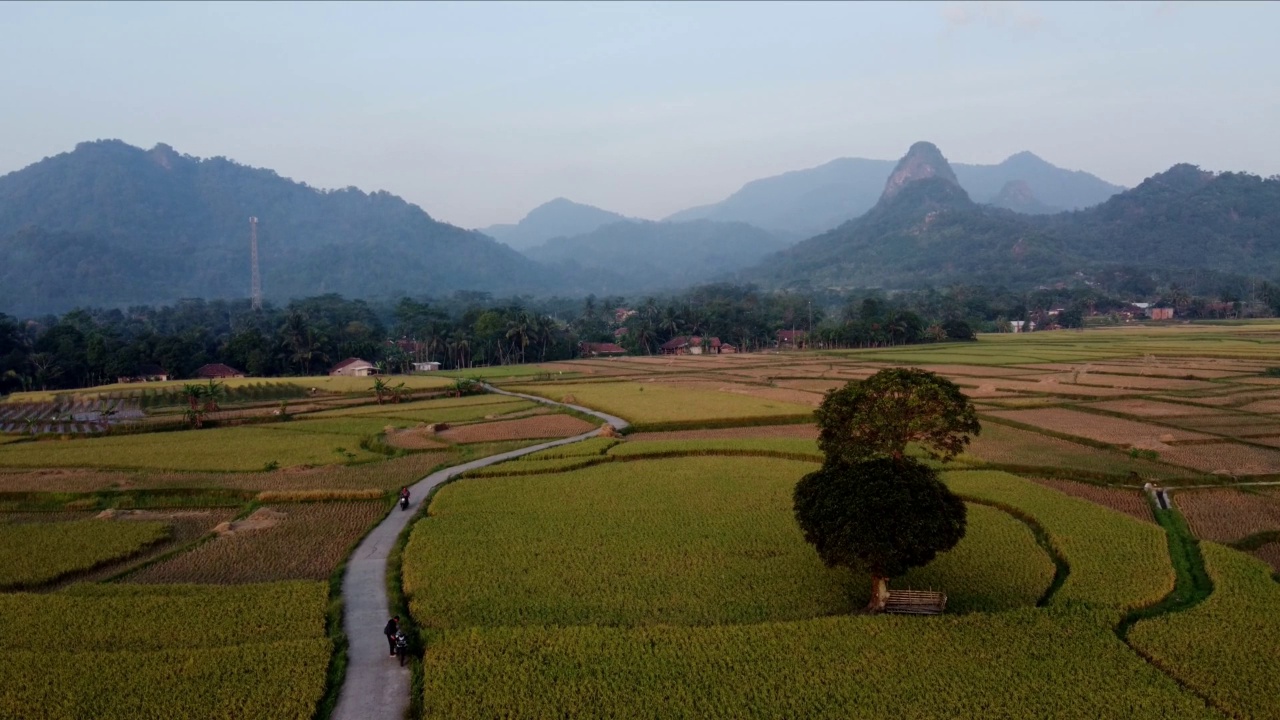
480 111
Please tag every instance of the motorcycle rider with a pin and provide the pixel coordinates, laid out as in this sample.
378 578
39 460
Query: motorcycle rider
391 629
404 497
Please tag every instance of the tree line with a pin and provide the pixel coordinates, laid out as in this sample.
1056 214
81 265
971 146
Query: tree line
93 346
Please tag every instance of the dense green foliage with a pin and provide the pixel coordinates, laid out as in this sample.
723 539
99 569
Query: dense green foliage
111 223
880 416
884 516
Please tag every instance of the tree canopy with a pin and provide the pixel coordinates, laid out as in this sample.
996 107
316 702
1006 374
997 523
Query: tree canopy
884 516
880 416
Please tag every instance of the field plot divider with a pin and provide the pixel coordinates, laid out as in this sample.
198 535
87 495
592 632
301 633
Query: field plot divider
372 687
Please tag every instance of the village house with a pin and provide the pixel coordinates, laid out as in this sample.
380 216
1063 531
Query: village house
426 366
695 345
217 371
353 367
792 339
146 372
588 349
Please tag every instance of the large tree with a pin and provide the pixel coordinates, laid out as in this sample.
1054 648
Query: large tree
882 516
880 416
871 507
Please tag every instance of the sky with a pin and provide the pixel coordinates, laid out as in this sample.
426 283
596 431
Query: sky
480 111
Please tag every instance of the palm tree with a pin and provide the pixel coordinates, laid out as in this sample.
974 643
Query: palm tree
519 328
670 322
195 412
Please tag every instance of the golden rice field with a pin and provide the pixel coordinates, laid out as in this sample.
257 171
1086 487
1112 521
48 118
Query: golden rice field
645 403
1225 647
33 554
697 541
115 651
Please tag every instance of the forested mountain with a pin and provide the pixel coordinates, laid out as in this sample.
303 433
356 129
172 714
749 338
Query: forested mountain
661 255
1018 196
557 218
114 224
926 230
811 201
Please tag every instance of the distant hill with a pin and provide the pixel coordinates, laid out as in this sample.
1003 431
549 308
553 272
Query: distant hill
114 224
557 218
1017 195
650 255
812 201
925 229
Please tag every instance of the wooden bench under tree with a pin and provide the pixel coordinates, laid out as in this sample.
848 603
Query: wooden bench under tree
915 602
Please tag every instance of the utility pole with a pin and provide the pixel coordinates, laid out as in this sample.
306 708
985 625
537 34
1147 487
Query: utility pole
809 339
255 291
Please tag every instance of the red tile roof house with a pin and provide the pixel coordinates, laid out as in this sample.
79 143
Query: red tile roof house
217 371
693 345
354 367
587 349
792 338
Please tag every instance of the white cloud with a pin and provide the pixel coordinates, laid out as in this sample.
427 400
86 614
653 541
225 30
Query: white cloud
1012 14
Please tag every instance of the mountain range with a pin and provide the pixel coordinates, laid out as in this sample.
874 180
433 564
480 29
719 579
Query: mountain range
113 224
926 229
808 202
109 224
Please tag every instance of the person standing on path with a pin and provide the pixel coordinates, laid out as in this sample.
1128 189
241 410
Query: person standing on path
393 627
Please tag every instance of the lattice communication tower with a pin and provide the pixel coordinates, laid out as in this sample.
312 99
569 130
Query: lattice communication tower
256 288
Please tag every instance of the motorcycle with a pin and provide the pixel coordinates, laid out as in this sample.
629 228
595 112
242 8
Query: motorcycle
404 502
402 647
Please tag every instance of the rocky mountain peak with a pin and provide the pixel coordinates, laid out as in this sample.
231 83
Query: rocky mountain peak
924 160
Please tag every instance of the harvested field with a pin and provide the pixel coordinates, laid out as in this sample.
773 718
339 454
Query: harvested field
542 426
813 386
1269 554
1130 502
281 542
1099 428
386 475
1121 368
654 402
1012 447
1226 515
1048 385
414 439
1266 407
1150 408
804 432
1224 458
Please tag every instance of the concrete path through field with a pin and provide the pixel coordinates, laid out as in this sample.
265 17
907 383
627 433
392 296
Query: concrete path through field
376 687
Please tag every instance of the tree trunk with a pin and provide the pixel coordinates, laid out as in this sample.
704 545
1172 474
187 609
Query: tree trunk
879 593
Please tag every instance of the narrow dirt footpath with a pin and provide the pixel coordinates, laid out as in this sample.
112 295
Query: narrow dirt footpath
375 686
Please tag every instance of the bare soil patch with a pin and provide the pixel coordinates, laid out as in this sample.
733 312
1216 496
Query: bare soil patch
1224 458
542 426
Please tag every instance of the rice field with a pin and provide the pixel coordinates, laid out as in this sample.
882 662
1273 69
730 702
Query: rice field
1226 515
276 542
33 554
1099 428
654 403
1130 501
696 541
1028 451
1225 647
212 449
167 652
